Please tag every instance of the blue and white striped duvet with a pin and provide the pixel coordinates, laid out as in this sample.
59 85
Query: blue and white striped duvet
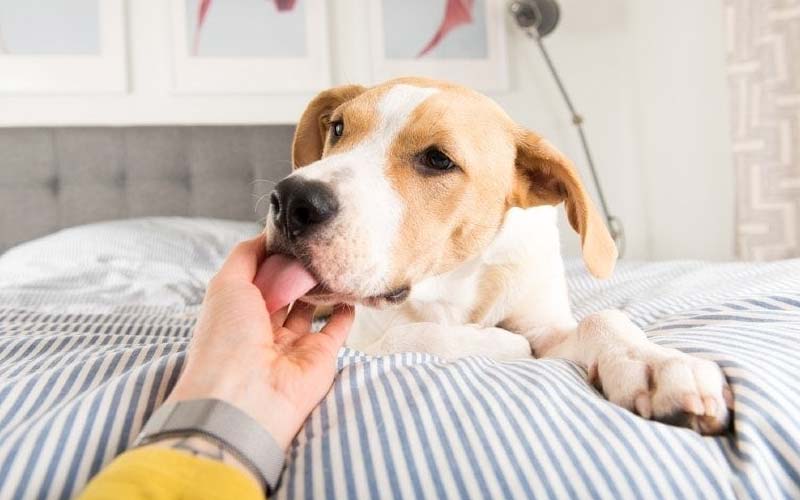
91 342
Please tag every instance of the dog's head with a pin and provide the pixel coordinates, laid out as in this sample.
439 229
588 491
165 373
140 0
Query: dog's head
408 179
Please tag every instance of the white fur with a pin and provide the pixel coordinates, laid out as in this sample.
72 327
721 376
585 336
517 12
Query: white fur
526 245
654 381
452 342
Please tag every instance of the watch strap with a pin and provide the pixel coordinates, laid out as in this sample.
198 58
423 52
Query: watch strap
223 422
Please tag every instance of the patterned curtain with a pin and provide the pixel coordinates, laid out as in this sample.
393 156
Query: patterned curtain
763 64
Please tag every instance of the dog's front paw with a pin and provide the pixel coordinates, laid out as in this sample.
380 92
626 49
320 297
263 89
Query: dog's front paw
666 385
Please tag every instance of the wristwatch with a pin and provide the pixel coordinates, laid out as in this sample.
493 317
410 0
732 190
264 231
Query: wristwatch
222 422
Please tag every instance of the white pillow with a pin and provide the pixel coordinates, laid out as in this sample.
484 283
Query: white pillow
159 261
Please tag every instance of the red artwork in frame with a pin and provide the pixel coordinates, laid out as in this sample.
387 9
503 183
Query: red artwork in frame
456 13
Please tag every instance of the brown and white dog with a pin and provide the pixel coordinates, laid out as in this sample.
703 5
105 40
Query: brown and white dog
426 203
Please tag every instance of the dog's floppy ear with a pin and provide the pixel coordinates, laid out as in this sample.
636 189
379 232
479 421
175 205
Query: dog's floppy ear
309 137
544 176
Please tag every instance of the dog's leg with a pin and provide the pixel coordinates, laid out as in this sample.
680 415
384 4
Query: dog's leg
451 342
654 381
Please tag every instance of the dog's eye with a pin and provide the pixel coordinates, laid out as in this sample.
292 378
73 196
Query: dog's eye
436 160
337 128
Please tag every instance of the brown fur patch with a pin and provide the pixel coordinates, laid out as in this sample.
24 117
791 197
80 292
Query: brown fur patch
449 217
312 129
360 118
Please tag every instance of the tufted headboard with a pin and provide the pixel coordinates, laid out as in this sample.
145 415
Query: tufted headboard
51 178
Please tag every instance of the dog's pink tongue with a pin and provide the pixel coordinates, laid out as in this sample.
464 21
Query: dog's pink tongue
282 280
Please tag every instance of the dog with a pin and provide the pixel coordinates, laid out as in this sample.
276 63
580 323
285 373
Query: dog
425 205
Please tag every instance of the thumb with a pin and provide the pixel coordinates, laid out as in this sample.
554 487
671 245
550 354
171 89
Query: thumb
339 324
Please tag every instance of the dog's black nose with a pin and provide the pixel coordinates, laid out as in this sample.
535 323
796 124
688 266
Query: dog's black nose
299 205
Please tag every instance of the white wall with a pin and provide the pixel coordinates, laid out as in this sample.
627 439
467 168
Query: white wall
647 75
649 78
684 128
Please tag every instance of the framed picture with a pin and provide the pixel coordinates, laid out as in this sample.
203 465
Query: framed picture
457 40
62 47
249 46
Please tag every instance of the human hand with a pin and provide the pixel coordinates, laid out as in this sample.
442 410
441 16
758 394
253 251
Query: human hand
271 367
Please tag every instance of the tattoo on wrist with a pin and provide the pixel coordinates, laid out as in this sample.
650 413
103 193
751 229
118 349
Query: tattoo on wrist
203 446
200 447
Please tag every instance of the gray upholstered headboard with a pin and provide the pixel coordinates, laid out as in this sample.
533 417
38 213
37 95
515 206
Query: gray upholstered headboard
52 178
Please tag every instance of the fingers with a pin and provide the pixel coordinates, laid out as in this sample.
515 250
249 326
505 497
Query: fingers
244 259
278 318
338 326
284 338
300 316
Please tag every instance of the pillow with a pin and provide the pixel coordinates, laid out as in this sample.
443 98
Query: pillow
164 261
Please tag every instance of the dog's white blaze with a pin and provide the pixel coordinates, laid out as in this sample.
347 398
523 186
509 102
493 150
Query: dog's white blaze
396 106
369 206
384 220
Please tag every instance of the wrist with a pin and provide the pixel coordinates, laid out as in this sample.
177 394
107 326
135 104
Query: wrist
281 419
276 414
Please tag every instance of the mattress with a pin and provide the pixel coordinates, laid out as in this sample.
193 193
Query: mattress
95 320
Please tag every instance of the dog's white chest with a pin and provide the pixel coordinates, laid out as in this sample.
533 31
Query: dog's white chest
523 262
445 300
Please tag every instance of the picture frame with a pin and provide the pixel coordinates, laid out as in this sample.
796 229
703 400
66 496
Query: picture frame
64 74
487 71
248 73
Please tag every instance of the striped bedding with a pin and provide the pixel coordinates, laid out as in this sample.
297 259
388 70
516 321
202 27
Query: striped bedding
94 322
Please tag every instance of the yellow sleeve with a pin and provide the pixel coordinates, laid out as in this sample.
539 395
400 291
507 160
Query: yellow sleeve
165 474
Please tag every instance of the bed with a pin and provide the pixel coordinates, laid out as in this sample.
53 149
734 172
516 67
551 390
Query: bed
95 320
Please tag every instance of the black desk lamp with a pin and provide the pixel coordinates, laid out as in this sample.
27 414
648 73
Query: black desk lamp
538 18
